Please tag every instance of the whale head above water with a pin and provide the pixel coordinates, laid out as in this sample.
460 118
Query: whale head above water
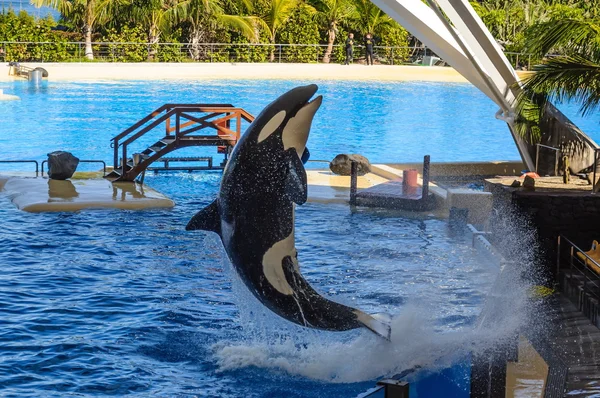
254 216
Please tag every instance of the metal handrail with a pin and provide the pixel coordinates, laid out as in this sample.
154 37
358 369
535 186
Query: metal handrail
578 264
537 156
82 161
23 161
595 183
219 118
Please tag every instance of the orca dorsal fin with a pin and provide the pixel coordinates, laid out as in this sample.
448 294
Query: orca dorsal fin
207 219
295 184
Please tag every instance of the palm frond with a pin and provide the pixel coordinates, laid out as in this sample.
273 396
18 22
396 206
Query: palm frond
566 78
244 25
579 36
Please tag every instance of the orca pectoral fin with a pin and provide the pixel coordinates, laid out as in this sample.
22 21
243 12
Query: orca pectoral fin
207 219
296 182
377 323
305 155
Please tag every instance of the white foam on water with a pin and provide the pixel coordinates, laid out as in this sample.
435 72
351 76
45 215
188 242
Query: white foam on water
363 356
417 341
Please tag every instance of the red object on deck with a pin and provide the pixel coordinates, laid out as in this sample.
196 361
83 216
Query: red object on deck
530 174
409 178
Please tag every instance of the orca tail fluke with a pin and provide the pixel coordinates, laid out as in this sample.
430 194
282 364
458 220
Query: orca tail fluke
377 323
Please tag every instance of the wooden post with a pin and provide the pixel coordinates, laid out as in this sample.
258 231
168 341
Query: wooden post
353 182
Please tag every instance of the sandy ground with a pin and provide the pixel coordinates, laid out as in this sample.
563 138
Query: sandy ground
211 71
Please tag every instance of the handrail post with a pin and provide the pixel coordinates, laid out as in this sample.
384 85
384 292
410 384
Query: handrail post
571 262
116 155
177 123
168 125
595 167
124 161
238 126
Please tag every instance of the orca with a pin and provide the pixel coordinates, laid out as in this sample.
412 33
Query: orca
254 216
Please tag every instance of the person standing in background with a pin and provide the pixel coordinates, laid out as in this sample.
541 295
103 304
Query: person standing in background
349 48
369 42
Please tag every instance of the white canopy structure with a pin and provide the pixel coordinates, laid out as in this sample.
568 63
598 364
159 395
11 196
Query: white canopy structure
463 41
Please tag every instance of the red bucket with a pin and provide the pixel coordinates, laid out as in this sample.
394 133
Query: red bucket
409 178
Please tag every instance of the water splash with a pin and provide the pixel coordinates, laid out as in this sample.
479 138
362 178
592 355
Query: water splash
418 340
362 356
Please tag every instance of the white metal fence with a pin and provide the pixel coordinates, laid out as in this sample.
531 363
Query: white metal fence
219 52
201 52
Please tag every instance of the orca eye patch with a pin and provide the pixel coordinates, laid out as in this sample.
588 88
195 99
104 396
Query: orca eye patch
271 126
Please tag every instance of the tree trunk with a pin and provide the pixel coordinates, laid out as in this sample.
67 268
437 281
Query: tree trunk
272 55
330 41
195 45
153 38
89 52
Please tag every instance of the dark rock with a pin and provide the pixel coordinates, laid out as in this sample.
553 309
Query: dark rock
342 164
529 183
516 184
61 165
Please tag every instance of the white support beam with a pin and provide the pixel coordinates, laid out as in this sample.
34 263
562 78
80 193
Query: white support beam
467 45
422 22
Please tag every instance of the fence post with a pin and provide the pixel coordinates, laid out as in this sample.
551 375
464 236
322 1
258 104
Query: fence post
280 53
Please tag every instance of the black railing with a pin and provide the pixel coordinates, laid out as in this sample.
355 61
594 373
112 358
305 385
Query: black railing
578 276
81 161
23 161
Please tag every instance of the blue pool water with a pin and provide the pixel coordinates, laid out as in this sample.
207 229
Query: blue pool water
387 122
128 303
121 303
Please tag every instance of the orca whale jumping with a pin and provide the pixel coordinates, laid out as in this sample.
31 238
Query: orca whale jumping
254 216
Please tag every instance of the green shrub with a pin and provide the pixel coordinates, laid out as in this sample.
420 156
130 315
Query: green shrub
300 28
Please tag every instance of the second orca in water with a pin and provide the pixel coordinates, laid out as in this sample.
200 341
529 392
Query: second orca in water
254 216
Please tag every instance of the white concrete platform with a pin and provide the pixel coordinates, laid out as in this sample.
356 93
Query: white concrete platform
8 97
42 194
326 187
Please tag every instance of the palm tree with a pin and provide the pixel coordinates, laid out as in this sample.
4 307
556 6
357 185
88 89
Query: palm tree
84 14
156 16
204 16
370 19
572 76
278 12
332 13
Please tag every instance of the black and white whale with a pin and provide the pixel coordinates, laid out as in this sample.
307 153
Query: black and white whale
254 216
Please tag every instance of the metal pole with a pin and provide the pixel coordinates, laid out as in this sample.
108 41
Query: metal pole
595 167
116 155
353 182
537 156
426 164
280 53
